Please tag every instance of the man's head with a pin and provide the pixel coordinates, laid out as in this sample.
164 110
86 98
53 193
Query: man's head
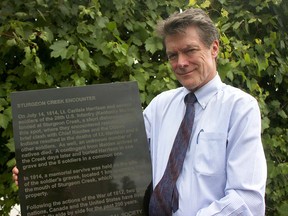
179 22
191 42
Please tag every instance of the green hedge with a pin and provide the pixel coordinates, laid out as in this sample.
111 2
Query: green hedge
48 44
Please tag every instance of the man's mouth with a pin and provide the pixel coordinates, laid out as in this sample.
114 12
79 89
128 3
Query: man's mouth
183 73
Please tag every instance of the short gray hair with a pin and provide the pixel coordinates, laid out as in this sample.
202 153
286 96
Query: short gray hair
180 21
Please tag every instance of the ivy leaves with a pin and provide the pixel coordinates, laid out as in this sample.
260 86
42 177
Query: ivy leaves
47 44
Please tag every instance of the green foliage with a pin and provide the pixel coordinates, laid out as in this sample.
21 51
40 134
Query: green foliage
48 44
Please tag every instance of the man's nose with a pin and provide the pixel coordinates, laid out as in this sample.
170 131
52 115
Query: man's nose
182 61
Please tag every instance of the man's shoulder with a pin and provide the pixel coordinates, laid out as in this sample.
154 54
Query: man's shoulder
165 98
169 94
236 94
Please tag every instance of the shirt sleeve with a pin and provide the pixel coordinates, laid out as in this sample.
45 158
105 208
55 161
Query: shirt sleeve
147 121
246 168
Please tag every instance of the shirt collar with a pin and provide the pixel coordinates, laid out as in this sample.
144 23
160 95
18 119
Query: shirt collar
205 93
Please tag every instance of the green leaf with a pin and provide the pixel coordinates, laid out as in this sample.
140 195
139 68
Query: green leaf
151 4
71 51
83 54
265 123
236 25
4 121
47 35
59 49
283 208
82 28
28 56
252 84
205 4
192 2
79 81
153 44
136 41
95 68
101 60
11 42
11 145
262 63
230 75
81 64
247 58
225 39
8 112
225 27
102 21
111 26
11 163
140 76
276 104
3 102
224 13
21 15
38 65
282 114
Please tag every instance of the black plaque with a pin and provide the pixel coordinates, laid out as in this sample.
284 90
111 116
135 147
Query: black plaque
81 150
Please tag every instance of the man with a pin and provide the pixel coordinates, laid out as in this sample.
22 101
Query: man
224 170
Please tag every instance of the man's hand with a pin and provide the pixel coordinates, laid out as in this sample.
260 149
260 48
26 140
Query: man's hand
15 172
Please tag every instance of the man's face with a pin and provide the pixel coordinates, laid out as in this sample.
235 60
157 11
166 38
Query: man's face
193 63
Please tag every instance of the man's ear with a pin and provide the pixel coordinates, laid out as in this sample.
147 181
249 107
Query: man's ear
215 48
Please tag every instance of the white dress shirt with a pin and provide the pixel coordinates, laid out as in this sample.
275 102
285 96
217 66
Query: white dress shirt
224 172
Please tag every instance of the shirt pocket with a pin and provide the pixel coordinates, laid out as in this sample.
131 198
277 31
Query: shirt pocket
210 154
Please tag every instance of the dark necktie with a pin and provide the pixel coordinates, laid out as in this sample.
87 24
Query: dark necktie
165 197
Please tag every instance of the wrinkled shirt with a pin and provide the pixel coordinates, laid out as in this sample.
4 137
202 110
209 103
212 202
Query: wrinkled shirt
224 171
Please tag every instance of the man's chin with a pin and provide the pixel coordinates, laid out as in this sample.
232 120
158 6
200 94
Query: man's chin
190 86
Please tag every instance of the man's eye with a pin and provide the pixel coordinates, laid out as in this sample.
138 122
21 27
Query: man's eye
172 57
190 51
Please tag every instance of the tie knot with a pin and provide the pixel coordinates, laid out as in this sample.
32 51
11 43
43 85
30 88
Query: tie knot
190 98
